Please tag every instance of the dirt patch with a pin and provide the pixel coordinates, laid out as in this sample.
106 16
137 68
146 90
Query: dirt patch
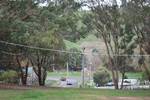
124 98
127 98
116 98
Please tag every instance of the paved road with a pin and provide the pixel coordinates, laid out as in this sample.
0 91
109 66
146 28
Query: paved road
75 81
127 87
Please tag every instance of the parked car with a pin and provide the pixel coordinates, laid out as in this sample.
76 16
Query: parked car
129 82
63 78
125 83
110 84
71 82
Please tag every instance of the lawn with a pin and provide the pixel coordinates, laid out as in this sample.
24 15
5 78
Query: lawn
132 75
136 75
70 94
64 73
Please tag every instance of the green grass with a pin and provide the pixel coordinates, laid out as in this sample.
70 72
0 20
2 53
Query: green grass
131 75
63 74
68 94
135 75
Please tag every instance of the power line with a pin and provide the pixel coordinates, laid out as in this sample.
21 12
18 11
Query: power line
38 48
63 51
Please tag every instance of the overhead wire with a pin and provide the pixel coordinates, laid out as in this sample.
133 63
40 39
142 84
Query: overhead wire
64 51
38 48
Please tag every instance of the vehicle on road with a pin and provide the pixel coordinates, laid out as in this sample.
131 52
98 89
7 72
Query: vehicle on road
63 78
71 82
109 84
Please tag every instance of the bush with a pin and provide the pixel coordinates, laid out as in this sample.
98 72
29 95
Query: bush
125 77
9 76
101 77
144 76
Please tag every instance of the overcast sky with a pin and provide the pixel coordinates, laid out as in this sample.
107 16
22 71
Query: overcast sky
106 2
85 7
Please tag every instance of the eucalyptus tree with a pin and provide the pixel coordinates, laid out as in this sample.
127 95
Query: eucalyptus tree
138 12
69 18
19 21
74 58
112 27
41 58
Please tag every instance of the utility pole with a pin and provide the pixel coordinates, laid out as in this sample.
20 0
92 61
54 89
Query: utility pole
82 55
53 63
90 74
67 70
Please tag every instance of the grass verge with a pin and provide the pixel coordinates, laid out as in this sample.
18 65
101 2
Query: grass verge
69 94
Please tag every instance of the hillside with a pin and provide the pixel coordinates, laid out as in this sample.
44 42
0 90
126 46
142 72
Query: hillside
90 42
70 45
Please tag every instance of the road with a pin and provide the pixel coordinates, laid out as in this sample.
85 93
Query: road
74 80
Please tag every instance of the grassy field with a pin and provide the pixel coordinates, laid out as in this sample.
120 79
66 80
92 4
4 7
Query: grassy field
70 94
136 75
63 74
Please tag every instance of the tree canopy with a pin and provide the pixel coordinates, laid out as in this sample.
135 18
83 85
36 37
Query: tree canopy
42 26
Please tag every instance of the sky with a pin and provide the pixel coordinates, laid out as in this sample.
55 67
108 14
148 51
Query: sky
107 1
85 7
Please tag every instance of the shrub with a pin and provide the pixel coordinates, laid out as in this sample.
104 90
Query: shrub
101 77
125 77
144 76
9 76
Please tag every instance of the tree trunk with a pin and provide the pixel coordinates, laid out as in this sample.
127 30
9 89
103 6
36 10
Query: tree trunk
146 71
41 76
143 63
42 83
123 74
116 83
114 75
116 80
23 75
26 73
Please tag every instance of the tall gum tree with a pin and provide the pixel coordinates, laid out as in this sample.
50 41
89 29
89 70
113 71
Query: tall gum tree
41 59
113 29
138 12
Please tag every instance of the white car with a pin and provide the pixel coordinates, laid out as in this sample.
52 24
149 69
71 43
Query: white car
110 84
71 82
129 82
